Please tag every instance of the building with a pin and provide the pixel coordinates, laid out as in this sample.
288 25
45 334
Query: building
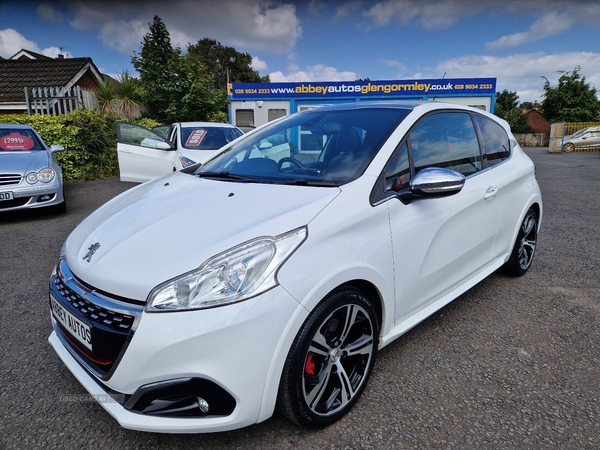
253 104
27 69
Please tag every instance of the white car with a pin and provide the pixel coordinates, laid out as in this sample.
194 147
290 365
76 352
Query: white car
146 154
292 270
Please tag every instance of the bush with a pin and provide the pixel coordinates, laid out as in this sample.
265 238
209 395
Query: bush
89 138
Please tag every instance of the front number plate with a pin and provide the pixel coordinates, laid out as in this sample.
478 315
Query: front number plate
74 326
6 196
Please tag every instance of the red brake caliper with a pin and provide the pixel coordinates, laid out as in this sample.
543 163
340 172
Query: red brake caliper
310 365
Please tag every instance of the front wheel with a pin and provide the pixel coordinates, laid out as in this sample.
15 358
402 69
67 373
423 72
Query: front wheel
330 360
524 248
569 147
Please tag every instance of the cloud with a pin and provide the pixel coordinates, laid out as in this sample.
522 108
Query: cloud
48 12
431 15
258 64
319 72
11 41
248 25
549 25
527 81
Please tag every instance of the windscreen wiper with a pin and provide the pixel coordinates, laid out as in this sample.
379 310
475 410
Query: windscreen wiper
306 182
227 176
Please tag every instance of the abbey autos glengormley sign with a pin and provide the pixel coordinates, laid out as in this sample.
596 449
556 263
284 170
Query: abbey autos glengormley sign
396 88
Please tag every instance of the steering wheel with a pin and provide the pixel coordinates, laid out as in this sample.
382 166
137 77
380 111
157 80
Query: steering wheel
289 159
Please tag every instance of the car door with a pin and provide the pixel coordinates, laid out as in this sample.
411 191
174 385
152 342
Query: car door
441 243
143 155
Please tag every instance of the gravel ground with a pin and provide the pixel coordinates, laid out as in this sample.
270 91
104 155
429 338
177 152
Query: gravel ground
513 363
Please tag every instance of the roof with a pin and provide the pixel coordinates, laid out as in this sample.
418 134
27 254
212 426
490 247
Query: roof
28 54
16 74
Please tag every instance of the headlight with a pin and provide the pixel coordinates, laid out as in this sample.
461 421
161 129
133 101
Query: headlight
235 275
46 175
186 162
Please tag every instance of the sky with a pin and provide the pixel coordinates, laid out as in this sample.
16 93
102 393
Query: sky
520 43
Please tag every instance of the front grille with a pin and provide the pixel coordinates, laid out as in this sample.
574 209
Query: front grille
10 179
112 322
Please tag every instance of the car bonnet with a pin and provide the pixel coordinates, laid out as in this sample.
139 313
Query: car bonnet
23 162
169 226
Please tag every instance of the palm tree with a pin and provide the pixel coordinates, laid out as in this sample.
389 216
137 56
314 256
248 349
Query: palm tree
127 93
106 94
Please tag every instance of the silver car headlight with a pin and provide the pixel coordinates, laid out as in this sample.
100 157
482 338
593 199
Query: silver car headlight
45 175
230 277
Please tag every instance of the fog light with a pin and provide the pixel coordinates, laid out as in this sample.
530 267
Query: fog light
203 405
44 198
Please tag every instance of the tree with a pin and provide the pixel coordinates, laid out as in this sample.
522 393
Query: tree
572 100
128 96
225 64
506 108
176 87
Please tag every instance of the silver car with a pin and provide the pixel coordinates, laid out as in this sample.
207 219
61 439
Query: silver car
583 139
30 177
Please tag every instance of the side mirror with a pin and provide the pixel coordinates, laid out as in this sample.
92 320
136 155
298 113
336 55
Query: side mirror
164 146
433 182
56 148
264 145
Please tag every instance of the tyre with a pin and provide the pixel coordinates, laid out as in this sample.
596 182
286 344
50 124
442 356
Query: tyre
524 248
330 360
569 147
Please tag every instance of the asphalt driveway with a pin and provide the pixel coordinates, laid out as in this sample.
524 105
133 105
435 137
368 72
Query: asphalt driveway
513 363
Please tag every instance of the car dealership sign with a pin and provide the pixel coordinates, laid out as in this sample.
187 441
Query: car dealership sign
395 88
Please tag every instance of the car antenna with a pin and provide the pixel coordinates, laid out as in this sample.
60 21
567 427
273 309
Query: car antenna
435 96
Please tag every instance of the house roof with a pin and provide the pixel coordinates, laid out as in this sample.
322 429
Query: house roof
16 74
28 54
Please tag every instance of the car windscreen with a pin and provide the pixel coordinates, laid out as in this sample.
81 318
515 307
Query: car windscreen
208 138
18 139
316 147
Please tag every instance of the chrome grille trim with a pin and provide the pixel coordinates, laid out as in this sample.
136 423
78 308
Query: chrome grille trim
10 179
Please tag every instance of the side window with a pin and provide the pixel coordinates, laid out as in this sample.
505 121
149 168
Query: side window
496 144
397 173
446 140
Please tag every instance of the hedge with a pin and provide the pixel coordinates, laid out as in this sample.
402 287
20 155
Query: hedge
89 138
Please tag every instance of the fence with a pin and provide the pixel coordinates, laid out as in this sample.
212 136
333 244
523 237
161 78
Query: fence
532 139
559 131
53 101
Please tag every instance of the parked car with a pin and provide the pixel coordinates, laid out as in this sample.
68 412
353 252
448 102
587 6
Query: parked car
30 177
585 138
270 276
146 154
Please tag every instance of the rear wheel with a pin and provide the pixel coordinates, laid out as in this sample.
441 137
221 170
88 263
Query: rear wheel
330 360
524 248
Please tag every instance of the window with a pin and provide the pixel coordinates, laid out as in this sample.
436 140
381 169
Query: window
273 114
446 140
496 144
397 173
244 117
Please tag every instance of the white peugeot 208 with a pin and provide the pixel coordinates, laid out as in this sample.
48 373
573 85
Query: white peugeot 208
269 277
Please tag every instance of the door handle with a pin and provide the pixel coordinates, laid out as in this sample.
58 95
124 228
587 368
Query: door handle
491 192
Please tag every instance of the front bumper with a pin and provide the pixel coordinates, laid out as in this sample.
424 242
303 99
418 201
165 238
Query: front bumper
241 348
35 196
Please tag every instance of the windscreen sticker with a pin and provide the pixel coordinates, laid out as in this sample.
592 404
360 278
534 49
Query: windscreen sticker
16 141
195 138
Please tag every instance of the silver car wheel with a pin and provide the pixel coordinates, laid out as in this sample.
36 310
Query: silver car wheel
337 359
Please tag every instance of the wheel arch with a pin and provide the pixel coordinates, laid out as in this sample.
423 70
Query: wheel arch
368 287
